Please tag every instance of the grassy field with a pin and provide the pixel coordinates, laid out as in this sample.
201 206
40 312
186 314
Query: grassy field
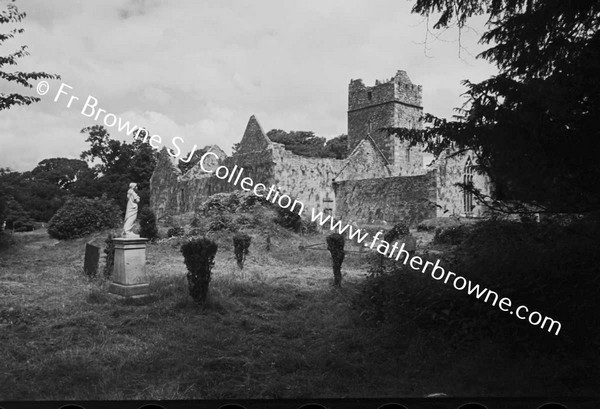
279 331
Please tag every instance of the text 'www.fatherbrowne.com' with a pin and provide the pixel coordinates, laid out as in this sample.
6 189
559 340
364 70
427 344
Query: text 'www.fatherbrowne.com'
438 273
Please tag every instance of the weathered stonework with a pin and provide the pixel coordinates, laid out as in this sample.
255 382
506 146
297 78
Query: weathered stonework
393 103
382 180
391 200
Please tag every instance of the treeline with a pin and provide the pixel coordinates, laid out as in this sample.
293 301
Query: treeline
107 168
104 170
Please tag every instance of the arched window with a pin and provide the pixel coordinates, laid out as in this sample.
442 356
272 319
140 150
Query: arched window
467 195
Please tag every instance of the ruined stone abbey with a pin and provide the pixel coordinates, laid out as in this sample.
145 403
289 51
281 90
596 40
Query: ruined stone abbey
381 181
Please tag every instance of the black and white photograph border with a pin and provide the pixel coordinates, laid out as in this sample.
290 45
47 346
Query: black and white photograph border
300 202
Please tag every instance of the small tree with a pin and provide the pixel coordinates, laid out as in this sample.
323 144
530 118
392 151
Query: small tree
241 243
335 245
148 224
199 255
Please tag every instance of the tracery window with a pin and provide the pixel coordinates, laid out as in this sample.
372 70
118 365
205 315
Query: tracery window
468 195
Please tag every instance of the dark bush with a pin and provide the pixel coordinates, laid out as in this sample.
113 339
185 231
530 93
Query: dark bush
241 244
335 245
148 227
399 230
549 268
81 216
175 231
109 250
452 234
199 255
288 219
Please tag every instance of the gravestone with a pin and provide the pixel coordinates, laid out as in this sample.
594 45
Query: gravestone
92 257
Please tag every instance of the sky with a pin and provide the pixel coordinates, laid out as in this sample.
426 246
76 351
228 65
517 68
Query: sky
199 69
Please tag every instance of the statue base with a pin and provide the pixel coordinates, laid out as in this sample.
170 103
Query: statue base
129 271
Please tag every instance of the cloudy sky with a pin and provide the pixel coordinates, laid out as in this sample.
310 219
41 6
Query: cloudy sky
199 69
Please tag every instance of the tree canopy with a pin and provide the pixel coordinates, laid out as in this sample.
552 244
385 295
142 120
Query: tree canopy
116 164
533 127
12 15
305 143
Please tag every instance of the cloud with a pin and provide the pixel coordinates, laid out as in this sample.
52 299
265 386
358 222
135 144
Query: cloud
200 69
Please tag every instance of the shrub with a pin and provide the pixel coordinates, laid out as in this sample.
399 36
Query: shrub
309 227
288 219
199 255
335 245
81 216
241 244
195 232
452 235
175 231
399 230
550 268
148 227
109 250
221 222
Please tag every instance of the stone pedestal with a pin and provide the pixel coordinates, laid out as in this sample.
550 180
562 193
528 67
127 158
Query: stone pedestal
129 271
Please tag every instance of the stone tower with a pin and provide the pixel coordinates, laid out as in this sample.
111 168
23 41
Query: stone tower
393 103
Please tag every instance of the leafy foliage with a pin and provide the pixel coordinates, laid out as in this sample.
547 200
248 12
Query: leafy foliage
116 164
548 267
241 244
82 216
17 218
305 143
11 15
199 255
109 250
147 220
175 231
335 245
533 128
288 219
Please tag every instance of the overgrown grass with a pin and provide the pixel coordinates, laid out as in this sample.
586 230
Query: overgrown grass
279 331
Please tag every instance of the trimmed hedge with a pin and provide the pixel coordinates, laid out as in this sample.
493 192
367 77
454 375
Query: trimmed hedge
148 227
241 244
199 257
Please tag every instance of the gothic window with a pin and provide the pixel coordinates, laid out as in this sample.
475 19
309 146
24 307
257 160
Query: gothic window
369 95
468 181
407 156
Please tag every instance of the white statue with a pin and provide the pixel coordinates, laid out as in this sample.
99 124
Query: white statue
131 211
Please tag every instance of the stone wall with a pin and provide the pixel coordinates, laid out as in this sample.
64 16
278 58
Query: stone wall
402 198
395 103
450 197
163 185
381 180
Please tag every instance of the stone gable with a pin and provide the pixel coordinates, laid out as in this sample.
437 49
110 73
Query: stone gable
254 138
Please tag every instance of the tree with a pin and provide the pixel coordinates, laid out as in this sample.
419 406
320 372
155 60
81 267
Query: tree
305 143
9 16
337 147
62 172
37 197
534 127
116 164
